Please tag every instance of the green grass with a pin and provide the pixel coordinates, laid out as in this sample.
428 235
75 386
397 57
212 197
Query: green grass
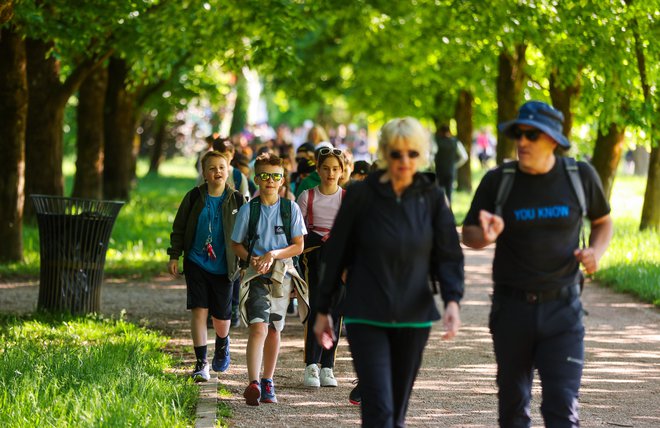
88 372
632 261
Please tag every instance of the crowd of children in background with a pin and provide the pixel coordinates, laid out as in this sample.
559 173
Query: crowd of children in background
273 196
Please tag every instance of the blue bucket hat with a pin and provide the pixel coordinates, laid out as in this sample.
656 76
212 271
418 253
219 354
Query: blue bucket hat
541 116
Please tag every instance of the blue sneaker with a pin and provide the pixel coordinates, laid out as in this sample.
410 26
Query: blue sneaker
221 358
268 391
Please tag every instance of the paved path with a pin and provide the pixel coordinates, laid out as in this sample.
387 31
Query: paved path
621 383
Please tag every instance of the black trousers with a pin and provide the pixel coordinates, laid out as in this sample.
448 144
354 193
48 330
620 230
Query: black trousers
549 337
447 183
315 353
386 361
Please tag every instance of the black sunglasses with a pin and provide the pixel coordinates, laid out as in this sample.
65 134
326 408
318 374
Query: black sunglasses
327 150
398 154
265 176
530 134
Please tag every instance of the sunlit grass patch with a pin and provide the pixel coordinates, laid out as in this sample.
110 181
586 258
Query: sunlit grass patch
88 371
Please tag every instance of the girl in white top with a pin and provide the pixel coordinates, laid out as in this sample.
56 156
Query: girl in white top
319 207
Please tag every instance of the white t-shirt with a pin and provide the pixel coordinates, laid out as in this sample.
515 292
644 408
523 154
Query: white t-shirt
325 208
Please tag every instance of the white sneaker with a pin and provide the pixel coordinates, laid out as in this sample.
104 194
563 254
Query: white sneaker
312 376
328 377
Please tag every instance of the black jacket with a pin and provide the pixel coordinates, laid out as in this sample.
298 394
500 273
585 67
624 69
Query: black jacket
391 247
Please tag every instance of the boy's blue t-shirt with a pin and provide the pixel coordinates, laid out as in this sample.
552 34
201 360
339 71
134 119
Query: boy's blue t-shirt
211 216
269 228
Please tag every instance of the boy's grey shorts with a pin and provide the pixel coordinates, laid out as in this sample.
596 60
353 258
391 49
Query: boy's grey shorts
261 306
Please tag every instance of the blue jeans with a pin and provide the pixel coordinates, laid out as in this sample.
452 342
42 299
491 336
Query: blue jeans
549 337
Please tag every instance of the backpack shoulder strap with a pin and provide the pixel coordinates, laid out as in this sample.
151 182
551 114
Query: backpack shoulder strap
310 209
194 195
251 238
571 167
238 178
576 182
240 200
255 213
285 213
506 183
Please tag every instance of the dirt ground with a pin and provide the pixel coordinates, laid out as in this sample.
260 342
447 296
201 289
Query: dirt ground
456 385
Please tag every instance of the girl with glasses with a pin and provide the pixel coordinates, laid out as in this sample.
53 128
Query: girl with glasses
319 206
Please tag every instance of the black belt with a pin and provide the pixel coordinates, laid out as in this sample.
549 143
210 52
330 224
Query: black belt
538 296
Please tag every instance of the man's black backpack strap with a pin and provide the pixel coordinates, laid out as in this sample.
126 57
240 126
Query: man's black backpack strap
576 183
506 183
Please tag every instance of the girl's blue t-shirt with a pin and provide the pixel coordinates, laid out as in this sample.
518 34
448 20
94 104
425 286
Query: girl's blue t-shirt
209 224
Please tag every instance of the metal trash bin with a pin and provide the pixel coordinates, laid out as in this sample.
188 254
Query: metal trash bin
73 236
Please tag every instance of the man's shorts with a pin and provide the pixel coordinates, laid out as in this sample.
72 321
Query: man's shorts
261 306
207 290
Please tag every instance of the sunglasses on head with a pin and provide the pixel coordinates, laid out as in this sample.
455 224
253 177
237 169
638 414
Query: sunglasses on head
327 150
398 154
265 176
530 134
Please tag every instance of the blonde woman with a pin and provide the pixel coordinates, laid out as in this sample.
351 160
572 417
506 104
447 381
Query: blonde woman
393 231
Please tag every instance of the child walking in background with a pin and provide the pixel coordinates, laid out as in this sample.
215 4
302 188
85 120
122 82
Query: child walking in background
268 233
201 232
319 206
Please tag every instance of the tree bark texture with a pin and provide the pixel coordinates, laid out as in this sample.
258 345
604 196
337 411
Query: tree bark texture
119 131
607 154
43 141
510 81
464 130
158 148
562 98
88 180
13 119
651 207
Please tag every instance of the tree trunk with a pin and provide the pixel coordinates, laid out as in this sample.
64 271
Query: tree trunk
119 132
89 161
607 154
562 98
510 81
13 119
651 208
43 141
157 149
464 129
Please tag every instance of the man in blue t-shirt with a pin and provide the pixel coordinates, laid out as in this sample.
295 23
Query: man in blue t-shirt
265 308
536 315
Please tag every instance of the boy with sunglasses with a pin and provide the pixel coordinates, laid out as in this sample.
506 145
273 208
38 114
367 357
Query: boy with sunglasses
536 314
263 300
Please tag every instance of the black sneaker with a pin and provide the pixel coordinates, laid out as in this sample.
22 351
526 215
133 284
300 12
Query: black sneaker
354 397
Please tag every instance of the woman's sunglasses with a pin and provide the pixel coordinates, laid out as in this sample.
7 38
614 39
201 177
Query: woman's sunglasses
530 134
327 150
265 176
398 154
